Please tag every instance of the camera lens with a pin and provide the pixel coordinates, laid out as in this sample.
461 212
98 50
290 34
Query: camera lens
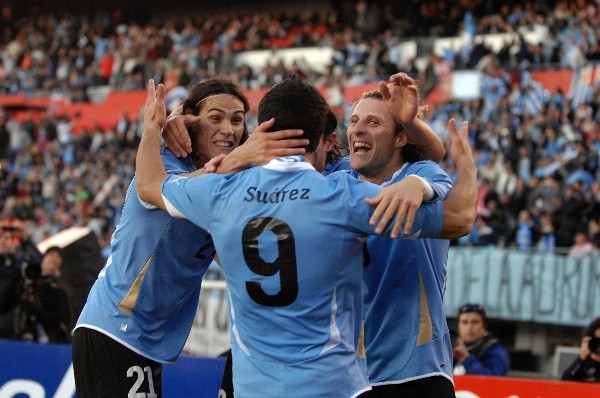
594 345
31 270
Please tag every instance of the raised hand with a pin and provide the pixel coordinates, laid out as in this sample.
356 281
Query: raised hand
460 208
155 114
460 149
401 97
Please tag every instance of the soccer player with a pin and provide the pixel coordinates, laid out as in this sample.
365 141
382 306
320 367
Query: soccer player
289 241
407 341
141 308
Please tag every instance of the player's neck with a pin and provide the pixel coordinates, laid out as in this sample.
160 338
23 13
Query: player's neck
310 158
382 175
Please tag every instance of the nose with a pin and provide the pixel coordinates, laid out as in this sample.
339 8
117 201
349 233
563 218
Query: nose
228 129
356 128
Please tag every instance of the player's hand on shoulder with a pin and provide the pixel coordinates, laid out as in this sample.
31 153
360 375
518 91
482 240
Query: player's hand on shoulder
402 200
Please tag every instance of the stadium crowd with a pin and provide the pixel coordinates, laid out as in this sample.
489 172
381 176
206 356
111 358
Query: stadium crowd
538 152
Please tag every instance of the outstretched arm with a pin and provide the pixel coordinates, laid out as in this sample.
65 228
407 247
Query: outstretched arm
460 209
149 167
401 98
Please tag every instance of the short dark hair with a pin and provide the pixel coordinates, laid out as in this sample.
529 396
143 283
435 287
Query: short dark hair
335 154
477 308
214 86
296 104
591 329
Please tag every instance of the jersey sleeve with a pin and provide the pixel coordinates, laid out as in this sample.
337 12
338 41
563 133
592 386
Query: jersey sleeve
190 197
427 223
174 165
437 178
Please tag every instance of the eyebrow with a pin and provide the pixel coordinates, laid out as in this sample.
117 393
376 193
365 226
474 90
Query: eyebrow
367 116
222 111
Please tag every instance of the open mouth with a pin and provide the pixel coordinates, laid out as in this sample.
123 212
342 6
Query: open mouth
361 147
224 144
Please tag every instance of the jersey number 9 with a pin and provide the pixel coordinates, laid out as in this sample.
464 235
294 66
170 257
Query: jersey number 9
284 264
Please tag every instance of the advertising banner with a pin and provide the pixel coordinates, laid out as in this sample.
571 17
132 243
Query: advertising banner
506 387
45 371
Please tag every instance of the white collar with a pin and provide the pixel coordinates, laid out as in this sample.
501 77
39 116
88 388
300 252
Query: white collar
397 172
289 163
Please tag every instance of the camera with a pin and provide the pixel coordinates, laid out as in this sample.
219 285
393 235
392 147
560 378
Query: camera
31 269
594 345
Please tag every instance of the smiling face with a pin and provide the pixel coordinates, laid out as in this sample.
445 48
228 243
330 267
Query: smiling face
221 127
374 142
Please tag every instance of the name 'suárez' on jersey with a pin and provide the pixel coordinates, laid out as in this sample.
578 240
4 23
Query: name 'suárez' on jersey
276 196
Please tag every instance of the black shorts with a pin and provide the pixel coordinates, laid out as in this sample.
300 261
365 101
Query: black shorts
429 387
226 390
105 368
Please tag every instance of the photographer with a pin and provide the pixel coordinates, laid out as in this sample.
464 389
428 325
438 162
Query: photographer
45 313
10 282
587 366
477 351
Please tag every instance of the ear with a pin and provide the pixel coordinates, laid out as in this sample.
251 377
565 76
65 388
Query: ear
330 141
401 139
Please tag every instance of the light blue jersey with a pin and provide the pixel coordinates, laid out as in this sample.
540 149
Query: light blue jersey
147 295
406 334
290 243
341 164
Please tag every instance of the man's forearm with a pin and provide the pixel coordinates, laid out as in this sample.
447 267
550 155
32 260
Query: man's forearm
150 171
460 208
232 164
422 135
149 168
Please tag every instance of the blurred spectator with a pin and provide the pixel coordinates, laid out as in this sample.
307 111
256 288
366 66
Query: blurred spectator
569 215
582 247
501 221
594 232
524 235
478 351
587 366
10 282
547 241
